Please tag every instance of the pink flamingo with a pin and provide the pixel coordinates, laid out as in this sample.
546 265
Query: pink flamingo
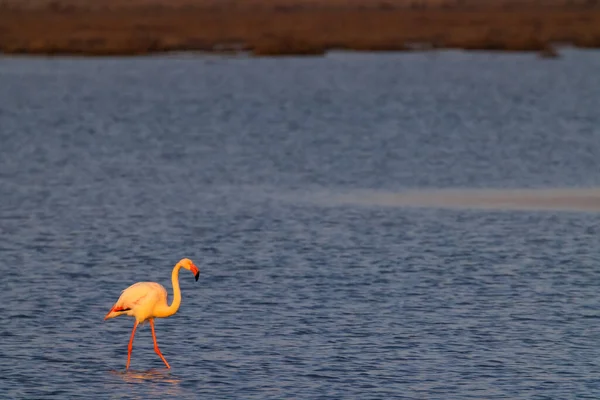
148 300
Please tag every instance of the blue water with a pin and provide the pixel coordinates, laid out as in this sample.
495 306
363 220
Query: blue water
111 170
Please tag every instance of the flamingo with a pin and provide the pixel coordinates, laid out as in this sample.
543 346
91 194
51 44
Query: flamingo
148 300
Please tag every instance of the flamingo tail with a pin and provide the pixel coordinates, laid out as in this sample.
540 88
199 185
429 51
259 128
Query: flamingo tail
115 312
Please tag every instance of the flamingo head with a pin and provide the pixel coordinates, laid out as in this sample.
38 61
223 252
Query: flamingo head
190 266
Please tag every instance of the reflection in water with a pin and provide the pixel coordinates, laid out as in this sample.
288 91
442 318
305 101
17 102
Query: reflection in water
159 383
500 199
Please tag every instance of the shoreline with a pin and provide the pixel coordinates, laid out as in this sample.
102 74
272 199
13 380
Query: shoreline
71 29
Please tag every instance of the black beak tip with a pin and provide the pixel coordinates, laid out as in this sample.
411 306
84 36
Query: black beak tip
197 275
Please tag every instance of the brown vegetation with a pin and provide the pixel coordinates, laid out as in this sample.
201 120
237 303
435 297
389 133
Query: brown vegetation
292 26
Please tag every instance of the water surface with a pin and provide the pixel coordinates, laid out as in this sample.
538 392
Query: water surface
367 226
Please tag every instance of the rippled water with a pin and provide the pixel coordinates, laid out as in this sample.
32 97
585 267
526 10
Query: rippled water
322 199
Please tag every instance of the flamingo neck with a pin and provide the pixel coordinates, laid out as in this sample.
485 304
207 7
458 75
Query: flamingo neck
167 311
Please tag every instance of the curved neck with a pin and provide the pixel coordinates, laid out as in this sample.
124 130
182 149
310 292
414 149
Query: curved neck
172 309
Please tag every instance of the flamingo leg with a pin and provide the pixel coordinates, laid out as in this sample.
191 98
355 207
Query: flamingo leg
130 347
156 349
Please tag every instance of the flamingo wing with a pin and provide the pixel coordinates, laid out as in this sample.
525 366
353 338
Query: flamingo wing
137 295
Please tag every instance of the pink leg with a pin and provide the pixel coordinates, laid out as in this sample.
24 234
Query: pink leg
156 349
131 345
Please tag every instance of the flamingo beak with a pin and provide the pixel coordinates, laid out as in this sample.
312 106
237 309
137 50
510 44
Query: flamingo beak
196 271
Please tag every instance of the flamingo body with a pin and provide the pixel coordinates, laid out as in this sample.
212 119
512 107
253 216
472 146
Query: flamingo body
139 300
148 300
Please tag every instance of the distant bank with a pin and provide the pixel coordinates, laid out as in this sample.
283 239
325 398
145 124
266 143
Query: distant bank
280 27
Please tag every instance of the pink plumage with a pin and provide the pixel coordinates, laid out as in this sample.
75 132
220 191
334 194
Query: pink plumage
148 300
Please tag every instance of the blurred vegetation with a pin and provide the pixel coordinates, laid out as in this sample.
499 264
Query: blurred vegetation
279 27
